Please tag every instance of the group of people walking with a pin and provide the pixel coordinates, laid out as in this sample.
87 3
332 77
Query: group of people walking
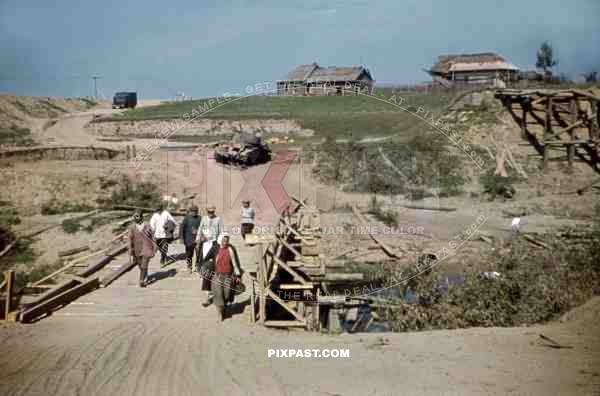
205 240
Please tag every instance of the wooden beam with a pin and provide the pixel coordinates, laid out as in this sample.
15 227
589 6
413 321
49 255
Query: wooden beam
9 277
123 269
279 301
71 252
547 131
290 248
292 286
344 277
383 246
294 274
59 300
285 323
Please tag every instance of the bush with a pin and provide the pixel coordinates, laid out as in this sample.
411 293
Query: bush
534 286
495 185
144 194
71 226
54 207
16 136
388 217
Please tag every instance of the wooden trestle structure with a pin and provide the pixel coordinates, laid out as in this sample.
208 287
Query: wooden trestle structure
557 121
288 286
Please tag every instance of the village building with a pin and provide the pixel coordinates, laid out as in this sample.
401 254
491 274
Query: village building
473 69
321 81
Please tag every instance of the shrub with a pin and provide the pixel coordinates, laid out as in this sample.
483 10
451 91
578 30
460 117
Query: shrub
71 226
534 286
495 185
54 207
144 194
388 217
16 136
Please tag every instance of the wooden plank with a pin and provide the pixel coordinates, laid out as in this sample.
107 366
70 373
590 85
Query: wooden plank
262 275
292 286
279 301
294 274
333 276
383 246
252 302
110 278
55 291
59 300
9 277
71 252
290 248
547 132
79 279
285 323
102 261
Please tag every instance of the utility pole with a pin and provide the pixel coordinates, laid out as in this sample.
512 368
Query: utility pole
95 78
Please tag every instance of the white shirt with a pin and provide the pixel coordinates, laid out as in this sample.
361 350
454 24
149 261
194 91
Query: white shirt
247 215
158 221
206 247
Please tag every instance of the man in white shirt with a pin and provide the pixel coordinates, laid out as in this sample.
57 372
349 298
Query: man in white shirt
247 219
210 224
163 225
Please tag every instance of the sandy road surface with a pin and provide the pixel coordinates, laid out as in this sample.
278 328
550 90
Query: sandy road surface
124 340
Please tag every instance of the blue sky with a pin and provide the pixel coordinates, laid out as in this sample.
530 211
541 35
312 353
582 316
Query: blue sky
206 48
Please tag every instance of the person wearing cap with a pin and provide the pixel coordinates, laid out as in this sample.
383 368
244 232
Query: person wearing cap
247 219
141 245
210 222
205 264
227 265
163 225
188 232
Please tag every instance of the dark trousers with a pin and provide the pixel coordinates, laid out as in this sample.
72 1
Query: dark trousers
246 228
142 263
189 254
163 247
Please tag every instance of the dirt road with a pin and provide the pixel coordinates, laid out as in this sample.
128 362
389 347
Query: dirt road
123 340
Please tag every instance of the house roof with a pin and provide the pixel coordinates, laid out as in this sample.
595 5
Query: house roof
301 72
471 62
314 73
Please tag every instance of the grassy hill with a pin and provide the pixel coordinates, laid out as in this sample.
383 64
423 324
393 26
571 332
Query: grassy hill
351 117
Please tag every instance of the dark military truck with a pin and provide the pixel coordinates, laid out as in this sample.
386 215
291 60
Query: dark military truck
124 100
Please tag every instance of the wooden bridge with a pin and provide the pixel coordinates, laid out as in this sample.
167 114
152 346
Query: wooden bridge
557 123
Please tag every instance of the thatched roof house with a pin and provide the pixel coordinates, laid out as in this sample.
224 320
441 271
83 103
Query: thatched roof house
481 68
313 79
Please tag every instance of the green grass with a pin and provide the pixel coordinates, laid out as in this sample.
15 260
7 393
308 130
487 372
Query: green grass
16 136
342 117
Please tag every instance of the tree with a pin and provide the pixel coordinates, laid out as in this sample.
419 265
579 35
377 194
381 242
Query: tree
545 59
591 76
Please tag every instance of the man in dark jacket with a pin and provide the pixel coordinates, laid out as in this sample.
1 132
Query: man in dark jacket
188 232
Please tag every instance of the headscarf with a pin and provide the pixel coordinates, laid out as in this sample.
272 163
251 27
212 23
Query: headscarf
221 236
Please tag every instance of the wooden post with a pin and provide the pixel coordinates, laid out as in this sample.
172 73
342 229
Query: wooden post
252 302
9 277
128 152
262 283
547 131
571 147
133 153
523 119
